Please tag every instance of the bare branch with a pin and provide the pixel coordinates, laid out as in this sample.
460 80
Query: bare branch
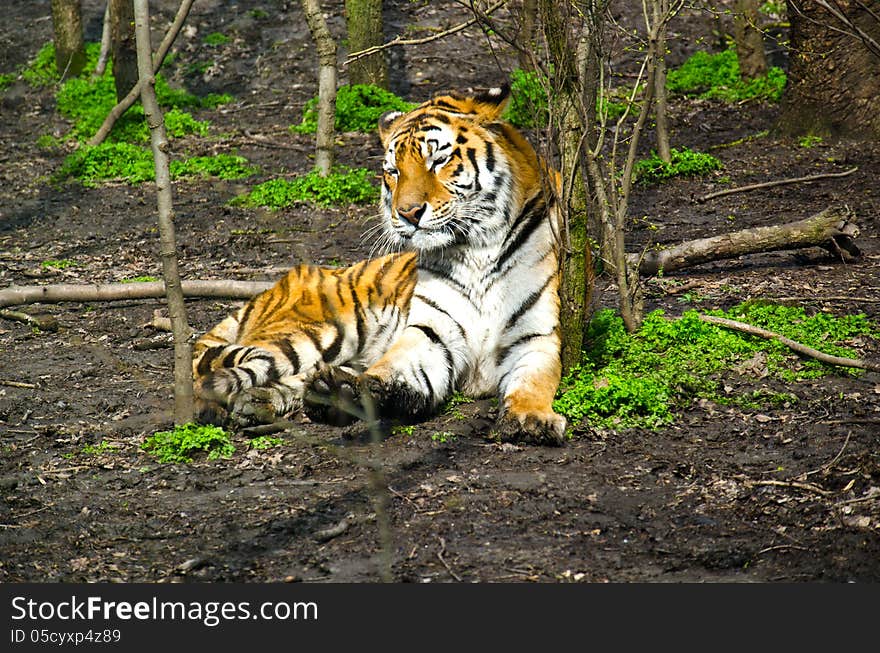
354 56
791 344
778 182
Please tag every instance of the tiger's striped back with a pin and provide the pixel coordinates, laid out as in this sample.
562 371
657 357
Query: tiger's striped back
312 316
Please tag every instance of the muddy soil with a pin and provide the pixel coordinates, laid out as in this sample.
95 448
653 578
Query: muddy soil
723 495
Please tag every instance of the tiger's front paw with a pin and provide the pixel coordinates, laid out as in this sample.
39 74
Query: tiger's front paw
254 406
537 428
208 411
334 396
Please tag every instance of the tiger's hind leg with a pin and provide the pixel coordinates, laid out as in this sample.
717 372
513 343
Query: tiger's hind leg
408 382
245 385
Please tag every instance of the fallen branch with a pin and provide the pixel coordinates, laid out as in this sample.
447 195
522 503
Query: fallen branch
770 184
354 56
41 322
829 229
791 344
66 292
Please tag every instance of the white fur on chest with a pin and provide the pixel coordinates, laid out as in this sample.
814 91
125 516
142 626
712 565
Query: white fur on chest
477 302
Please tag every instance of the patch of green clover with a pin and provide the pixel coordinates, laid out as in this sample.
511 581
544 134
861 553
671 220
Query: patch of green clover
358 108
684 163
717 77
180 444
644 379
341 187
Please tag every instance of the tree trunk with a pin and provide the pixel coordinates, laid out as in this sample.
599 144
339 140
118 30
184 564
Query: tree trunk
324 139
183 382
749 39
528 20
567 127
364 23
829 229
834 77
659 9
106 43
70 53
125 65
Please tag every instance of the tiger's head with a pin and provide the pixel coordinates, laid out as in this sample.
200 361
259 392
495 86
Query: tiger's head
454 172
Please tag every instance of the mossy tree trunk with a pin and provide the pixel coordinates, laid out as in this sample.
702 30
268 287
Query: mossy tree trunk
659 8
125 66
749 39
70 53
364 24
569 131
183 381
834 75
326 134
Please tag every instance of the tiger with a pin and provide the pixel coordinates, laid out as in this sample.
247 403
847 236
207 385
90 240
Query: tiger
253 366
466 299
465 191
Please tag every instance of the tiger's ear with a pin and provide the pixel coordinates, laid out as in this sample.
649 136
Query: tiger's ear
490 104
387 122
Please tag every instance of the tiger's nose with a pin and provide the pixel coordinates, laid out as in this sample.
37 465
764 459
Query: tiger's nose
413 214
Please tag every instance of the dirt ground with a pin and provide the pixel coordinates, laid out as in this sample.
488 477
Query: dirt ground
723 495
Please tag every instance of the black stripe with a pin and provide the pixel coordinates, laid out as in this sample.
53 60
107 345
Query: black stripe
490 157
443 104
251 374
229 359
440 309
276 296
207 358
359 324
504 352
314 336
336 346
530 301
472 157
290 353
533 216
426 381
453 283
433 337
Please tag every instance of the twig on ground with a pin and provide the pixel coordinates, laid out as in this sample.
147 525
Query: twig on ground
782 547
443 560
830 464
791 344
327 534
17 384
809 487
778 182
